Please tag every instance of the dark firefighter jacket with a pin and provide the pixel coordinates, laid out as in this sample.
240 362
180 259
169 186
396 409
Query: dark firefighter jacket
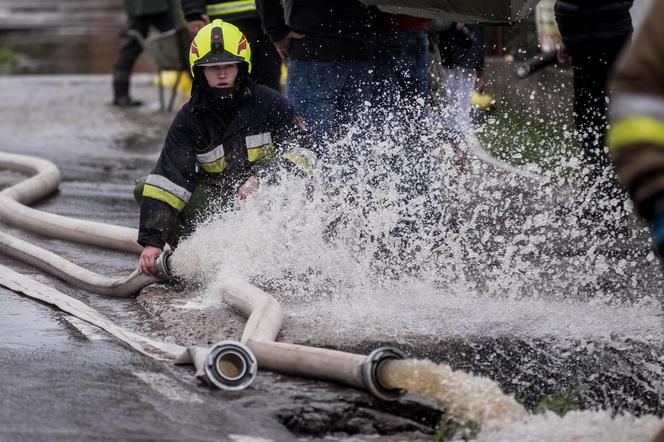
588 23
202 146
223 9
334 30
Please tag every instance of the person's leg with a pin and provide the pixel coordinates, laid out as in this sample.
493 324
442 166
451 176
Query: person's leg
600 191
591 69
401 69
313 88
266 64
129 51
465 85
413 59
355 89
590 113
385 80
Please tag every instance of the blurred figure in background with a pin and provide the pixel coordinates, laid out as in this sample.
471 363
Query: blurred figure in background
636 136
593 33
329 47
462 56
142 14
266 61
401 76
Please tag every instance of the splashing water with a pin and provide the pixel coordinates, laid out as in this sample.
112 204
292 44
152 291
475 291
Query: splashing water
465 397
468 398
395 235
578 426
392 208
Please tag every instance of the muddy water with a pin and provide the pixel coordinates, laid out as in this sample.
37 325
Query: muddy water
463 396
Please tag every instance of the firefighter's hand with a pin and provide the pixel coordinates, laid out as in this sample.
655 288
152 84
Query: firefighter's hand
195 25
283 45
146 262
248 188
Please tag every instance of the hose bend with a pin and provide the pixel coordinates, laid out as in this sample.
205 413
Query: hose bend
119 287
45 180
227 365
263 324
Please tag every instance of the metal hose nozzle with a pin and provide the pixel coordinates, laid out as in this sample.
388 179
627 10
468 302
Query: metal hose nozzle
231 366
162 265
371 370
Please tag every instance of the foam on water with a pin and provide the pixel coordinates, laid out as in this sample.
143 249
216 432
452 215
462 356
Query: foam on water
577 426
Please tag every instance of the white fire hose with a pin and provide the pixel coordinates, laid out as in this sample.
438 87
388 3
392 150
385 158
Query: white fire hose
228 365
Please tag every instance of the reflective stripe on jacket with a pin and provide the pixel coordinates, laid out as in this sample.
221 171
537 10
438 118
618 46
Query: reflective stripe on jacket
200 146
226 10
222 9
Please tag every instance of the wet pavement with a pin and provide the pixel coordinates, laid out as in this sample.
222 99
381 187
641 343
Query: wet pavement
64 380
534 348
100 150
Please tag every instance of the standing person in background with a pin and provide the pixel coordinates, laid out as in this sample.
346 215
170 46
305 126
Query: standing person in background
462 56
401 76
636 136
593 33
142 14
241 13
329 49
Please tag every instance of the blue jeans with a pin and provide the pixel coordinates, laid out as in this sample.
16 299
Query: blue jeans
401 68
328 93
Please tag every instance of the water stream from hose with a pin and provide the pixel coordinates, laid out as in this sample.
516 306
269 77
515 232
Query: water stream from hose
391 239
464 397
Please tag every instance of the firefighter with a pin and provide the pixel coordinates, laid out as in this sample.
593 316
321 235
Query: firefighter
228 138
241 13
636 134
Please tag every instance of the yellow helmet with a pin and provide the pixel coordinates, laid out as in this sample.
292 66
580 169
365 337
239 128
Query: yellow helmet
219 43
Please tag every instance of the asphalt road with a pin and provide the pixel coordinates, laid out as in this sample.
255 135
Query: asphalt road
64 380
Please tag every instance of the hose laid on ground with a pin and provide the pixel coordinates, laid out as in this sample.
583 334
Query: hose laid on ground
22 284
45 180
228 365
476 147
263 324
120 287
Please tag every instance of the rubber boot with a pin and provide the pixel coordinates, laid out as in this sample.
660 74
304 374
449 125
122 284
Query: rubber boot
121 96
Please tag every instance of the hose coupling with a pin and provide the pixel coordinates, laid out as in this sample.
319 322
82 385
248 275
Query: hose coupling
231 366
371 373
162 265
